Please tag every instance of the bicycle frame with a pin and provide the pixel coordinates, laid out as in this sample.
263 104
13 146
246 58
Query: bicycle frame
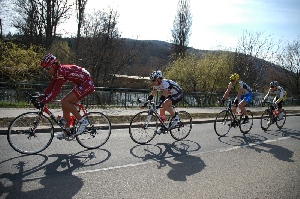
46 110
152 108
234 116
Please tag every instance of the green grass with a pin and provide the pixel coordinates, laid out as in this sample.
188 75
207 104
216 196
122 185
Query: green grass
14 105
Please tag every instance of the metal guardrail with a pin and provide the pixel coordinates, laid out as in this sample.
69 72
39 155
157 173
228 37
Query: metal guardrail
120 97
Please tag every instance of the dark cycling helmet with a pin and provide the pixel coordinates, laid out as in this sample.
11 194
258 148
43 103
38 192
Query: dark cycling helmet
272 84
156 75
47 60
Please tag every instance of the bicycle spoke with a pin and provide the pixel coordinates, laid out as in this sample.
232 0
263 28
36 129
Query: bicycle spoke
143 127
222 123
97 132
30 134
183 127
281 121
266 120
245 127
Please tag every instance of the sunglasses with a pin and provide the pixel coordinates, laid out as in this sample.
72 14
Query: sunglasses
232 80
48 68
153 80
272 86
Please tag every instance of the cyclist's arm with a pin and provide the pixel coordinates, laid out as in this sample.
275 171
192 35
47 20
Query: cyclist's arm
153 92
266 95
57 84
226 93
50 86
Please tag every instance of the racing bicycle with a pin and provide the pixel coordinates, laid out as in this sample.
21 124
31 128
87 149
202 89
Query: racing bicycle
145 125
33 132
227 119
270 116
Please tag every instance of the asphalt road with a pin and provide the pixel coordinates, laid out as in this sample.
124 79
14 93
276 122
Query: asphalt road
257 165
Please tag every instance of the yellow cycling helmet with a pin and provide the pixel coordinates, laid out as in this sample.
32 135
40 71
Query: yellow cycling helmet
234 77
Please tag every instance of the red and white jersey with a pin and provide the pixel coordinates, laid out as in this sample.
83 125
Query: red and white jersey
65 73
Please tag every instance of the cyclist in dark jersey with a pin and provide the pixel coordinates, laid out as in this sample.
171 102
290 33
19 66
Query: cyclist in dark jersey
171 94
67 73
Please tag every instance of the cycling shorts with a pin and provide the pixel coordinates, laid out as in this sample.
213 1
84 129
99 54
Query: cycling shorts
86 88
247 98
176 98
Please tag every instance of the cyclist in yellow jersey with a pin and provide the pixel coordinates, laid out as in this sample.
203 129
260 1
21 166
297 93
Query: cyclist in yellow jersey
244 94
280 96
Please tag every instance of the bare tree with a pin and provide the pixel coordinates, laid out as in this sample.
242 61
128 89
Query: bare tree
38 19
253 57
181 28
103 51
289 60
80 5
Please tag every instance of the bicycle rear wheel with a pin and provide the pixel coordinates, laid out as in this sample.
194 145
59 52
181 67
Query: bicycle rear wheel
222 123
97 132
30 133
183 127
281 122
143 126
246 127
266 120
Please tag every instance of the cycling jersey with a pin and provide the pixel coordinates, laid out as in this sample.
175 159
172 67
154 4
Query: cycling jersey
278 92
238 85
172 87
73 74
174 90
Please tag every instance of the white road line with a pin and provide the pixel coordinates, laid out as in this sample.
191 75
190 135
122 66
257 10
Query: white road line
153 161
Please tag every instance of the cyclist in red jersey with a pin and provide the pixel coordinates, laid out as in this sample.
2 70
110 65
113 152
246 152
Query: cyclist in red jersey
67 73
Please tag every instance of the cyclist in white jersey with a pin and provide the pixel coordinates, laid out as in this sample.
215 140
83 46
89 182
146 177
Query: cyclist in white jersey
280 96
171 94
244 94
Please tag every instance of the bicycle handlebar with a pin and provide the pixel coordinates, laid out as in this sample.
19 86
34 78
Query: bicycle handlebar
148 102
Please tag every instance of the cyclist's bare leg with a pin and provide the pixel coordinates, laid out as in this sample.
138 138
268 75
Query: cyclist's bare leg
167 106
67 105
233 109
242 105
162 111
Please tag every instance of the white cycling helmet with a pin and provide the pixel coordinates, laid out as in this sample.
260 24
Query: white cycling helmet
156 75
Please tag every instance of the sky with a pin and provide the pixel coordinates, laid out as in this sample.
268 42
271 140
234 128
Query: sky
214 22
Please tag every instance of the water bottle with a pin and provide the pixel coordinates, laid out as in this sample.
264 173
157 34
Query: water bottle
72 120
275 112
163 118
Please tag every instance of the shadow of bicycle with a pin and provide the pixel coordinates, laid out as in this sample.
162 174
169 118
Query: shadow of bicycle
175 155
260 144
51 178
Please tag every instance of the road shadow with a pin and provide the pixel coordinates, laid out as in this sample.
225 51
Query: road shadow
242 140
291 133
278 152
175 155
260 144
52 178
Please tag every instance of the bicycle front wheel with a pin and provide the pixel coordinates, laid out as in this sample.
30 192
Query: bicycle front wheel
245 127
222 123
97 132
266 120
143 126
30 133
183 127
280 122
